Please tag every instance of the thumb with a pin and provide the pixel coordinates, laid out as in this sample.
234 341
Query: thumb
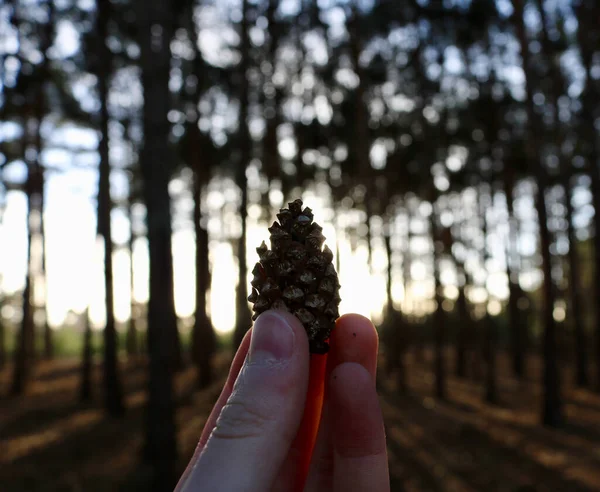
261 417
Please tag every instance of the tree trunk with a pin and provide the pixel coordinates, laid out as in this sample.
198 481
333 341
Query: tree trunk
586 15
34 189
361 129
48 345
271 157
407 258
338 260
464 317
595 175
2 343
517 329
463 328
438 320
199 159
490 336
85 388
131 342
557 86
552 405
491 387
394 319
243 318
575 297
24 350
389 329
388 284
203 336
21 352
155 30
113 393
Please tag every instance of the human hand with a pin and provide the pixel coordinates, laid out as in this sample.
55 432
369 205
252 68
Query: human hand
248 442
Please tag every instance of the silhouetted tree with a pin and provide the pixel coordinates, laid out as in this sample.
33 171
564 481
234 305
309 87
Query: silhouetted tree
556 87
155 30
361 145
131 342
2 339
552 408
587 34
48 339
243 318
35 106
113 393
490 336
517 329
273 96
203 336
85 384
198 154
438 317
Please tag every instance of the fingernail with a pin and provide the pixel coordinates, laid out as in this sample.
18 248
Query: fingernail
272 338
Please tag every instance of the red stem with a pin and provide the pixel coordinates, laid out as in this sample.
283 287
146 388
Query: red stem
309 427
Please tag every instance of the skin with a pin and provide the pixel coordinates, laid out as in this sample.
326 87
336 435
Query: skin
248 441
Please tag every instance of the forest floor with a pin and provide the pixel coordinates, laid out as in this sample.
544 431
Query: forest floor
51 442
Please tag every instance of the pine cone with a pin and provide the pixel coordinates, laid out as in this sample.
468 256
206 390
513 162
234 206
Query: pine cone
297 276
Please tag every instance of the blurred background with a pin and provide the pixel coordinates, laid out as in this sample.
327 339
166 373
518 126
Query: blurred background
450 150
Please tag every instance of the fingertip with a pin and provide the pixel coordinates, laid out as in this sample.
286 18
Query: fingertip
357 327
354 339
354 318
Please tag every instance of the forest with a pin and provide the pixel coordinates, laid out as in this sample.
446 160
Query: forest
450 150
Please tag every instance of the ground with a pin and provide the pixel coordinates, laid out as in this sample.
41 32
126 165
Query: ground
51 442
